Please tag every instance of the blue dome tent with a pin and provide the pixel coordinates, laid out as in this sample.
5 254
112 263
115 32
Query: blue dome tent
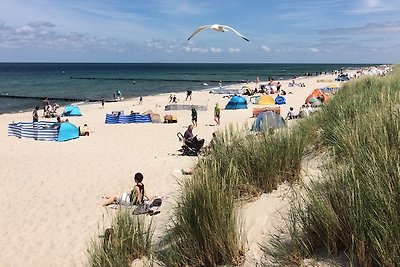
67 132
71 110
268 120
237 102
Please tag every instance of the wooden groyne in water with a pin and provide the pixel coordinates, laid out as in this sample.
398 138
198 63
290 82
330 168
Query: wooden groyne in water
66 99
154 80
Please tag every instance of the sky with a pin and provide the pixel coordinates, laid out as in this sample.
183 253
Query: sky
145 31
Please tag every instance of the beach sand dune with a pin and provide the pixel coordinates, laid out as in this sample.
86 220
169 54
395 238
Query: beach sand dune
50 191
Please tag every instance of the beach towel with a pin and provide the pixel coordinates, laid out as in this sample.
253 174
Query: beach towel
148 207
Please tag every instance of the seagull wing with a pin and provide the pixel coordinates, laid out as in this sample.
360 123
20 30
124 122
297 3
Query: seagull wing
235 31
198 30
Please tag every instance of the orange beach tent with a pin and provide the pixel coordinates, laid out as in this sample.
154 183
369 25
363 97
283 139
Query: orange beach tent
317 93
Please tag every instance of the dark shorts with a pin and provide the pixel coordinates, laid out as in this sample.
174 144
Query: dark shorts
194 119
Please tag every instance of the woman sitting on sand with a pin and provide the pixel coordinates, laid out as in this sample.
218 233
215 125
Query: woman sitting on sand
188 135
135 197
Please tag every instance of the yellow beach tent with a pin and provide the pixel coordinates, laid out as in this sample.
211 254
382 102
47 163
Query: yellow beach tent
265 100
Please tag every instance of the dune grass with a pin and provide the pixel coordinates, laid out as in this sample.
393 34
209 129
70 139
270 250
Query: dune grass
205 229
129 238
263 161
353 209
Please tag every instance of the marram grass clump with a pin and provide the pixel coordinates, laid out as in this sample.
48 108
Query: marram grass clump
129 238
263 160
205 229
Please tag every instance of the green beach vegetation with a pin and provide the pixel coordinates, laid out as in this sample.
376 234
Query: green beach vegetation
206 229
352 209
128 238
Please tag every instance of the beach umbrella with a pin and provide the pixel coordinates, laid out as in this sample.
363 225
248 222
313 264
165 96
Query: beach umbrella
218 28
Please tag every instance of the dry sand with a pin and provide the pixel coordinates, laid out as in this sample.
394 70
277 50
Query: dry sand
50 191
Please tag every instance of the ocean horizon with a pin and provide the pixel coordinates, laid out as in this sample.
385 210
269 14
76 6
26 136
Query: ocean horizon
92 81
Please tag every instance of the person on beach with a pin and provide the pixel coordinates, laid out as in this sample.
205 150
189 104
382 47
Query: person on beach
137 196
140 100
35 115
170 98
303 111
188 95
46 103
174 99
188 135
84 131
217 113
102 102
194 116
119 95
291 114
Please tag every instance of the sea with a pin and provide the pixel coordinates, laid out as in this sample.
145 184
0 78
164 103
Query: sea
25 85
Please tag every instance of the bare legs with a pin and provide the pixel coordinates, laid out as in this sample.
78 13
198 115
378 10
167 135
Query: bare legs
109 200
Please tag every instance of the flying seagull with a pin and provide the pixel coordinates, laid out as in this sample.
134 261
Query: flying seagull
218 28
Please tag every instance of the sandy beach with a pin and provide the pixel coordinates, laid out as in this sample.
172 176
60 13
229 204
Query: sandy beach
50 191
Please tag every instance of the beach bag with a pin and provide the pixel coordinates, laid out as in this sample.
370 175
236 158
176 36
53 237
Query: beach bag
156 203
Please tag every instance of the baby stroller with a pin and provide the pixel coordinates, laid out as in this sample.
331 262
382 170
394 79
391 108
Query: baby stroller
191 147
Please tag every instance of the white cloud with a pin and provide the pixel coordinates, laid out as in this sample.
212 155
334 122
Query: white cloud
42 34
266 48
389 27
195 49
233 50
216 50
371 6
314 50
